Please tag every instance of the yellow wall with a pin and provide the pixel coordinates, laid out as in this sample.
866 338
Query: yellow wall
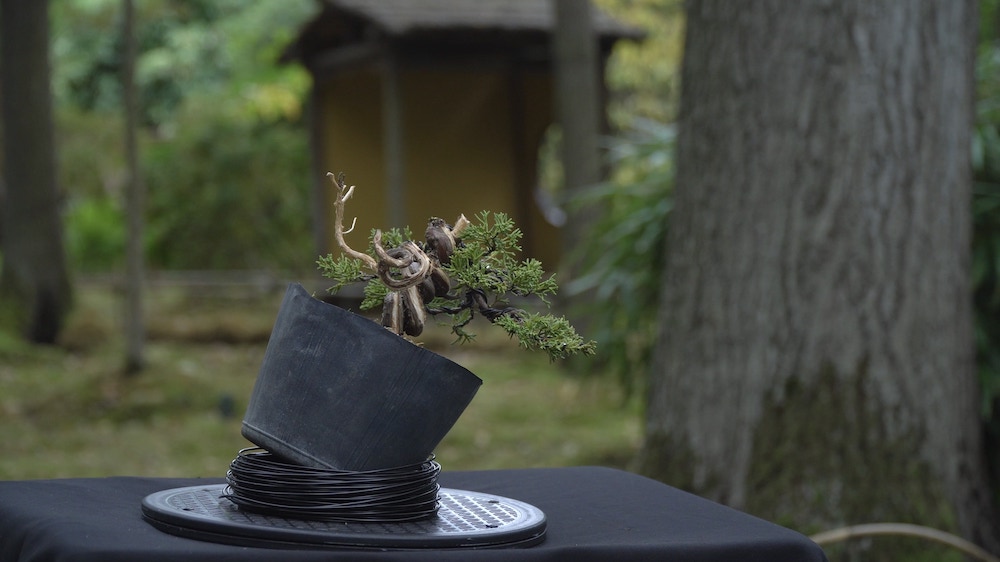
459 131
458 134
545 243
352 143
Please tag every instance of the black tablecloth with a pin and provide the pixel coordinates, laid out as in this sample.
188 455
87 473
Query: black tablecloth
592 514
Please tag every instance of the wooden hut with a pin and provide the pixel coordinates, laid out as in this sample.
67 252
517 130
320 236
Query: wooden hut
433 108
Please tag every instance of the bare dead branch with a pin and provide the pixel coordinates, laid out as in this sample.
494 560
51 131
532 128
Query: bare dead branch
460 224
343 194
403 258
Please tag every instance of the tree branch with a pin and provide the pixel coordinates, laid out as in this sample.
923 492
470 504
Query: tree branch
343 194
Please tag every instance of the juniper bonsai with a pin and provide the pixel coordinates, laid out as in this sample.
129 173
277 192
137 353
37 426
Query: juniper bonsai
458 271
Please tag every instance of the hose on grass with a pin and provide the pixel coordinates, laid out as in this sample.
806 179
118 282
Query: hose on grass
904 529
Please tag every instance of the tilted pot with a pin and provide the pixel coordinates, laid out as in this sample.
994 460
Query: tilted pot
338 390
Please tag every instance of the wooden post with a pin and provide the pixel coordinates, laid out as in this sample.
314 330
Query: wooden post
392 141
320 183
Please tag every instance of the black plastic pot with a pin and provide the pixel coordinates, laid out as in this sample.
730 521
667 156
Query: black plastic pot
337 390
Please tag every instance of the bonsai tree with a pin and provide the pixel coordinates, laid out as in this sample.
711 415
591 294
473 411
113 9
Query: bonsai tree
458 271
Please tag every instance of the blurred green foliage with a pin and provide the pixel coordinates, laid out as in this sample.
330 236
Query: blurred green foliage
623 258
223 147
91 173
97 239
229 194
986 228
187 48
643 78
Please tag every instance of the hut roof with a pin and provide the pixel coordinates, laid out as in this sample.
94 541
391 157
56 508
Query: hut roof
399 17
346 22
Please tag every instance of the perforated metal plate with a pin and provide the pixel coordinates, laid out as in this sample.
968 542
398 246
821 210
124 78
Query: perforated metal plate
464 520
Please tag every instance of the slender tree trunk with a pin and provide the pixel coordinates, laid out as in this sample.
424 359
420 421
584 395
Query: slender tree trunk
577 92
34 284
578 112
135 331
816 361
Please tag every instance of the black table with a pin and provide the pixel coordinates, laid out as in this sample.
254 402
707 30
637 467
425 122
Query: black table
591 513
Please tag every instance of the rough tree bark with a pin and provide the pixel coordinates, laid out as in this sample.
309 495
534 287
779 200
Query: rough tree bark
34 284
816 361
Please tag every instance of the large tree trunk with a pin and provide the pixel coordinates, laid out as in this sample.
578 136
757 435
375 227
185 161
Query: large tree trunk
34 284
816 360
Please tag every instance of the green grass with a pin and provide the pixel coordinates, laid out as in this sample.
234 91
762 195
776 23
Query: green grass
70 411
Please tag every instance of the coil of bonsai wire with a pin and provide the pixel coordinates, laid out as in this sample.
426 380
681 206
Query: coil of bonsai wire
262 483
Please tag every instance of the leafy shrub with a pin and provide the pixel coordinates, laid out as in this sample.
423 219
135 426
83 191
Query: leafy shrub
623 258
229 193
95 234
91 180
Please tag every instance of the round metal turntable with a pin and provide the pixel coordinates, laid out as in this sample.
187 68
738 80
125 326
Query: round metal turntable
464 520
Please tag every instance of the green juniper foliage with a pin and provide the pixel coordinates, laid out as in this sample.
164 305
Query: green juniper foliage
485 272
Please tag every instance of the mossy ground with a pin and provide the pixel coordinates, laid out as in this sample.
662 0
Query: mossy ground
70 411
